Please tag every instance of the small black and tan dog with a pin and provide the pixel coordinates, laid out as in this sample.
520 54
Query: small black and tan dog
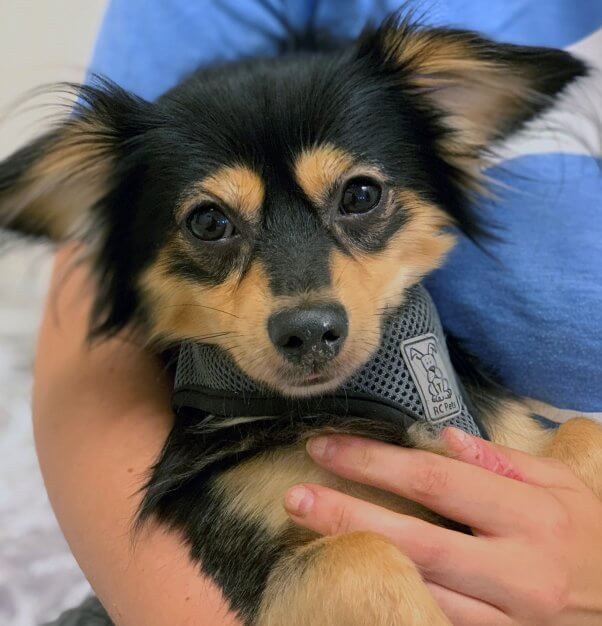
258 196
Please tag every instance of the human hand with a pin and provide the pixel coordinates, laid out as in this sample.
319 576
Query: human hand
536 553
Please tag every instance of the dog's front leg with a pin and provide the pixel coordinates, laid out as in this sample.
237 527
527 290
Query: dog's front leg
578 444
358 579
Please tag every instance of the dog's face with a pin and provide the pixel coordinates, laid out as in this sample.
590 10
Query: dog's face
298 220
279 208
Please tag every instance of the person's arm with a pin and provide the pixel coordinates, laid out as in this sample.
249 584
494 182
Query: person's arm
101 415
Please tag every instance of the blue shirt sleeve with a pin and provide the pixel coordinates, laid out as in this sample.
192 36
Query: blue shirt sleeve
147 47
532 309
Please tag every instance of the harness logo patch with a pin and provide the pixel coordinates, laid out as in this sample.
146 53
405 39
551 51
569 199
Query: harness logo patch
429 372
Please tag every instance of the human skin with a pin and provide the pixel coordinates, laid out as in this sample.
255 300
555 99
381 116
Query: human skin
101 415
535 556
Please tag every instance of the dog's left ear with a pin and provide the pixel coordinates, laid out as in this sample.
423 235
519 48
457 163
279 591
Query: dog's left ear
482 90
53 187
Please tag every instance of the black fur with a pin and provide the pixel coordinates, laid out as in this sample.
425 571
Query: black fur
237 552
262 112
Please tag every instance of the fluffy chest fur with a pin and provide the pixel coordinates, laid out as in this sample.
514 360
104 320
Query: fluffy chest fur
280 208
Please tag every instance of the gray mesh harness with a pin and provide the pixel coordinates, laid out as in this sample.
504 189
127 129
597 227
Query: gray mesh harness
408 379
394 384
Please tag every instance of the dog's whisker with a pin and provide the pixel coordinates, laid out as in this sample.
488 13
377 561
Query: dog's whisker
202 338
195 305
262 185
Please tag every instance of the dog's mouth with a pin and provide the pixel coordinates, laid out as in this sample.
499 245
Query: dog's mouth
316 379
309 387
306 378
300 382
313 374
311 380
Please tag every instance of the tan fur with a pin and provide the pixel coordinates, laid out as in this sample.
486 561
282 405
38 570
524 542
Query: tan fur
555 414
236 186
366 284
481 92
358 579
60 188
578 444
235 309
257 487
477 95
352 579
510 425
320 168
234 314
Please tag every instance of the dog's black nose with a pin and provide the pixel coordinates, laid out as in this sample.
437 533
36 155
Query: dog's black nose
310 336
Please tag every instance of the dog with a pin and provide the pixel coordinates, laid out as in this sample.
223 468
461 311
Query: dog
279 208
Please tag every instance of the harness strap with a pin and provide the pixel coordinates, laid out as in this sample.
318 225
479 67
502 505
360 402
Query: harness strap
409 379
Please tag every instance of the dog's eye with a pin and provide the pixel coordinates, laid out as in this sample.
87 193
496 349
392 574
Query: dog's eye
360 196
208 223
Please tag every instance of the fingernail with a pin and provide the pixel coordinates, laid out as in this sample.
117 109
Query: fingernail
299 501
457 439
457 434
322 448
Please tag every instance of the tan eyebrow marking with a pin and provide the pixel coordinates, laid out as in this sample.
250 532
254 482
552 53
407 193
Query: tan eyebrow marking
318 169
238 186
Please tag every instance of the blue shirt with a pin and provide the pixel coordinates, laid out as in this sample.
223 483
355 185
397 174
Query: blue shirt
532 309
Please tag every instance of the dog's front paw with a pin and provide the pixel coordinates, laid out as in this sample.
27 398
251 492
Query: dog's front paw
358 579
578 444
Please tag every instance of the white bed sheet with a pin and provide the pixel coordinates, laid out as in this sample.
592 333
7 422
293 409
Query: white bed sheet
39 577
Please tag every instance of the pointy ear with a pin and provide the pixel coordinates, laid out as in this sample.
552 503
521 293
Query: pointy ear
415 354
51 187
481 90
432 348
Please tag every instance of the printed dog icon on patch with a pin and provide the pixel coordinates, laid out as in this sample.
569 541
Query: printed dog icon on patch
438 385
428 364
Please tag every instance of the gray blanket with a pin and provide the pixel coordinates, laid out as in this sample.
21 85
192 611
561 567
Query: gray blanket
89 613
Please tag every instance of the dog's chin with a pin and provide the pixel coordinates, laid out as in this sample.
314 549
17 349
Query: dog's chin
311 387
296 384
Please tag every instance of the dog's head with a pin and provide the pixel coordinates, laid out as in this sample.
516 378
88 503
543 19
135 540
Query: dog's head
279 207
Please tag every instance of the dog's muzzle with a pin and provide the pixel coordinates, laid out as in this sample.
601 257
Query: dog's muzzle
409 379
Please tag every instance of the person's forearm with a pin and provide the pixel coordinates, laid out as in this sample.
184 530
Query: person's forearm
101 415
